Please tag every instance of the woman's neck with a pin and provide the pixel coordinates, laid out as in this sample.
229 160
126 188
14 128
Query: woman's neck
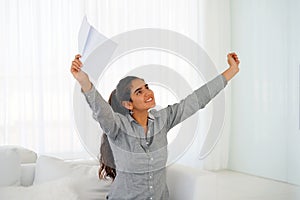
141 117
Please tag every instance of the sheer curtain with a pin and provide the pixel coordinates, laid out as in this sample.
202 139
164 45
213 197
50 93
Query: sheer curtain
39 40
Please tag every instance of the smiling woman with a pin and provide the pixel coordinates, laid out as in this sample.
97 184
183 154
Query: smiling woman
138 138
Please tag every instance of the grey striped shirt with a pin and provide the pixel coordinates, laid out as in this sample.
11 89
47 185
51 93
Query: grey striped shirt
141 158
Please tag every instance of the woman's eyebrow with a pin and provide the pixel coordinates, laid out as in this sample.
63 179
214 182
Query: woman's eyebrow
140 88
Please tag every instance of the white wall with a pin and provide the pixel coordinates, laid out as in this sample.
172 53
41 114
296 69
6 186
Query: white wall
265 95
293 106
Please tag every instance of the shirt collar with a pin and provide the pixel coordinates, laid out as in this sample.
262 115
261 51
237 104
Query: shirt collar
152 114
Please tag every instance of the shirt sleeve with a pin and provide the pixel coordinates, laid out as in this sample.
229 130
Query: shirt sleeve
178 112
102 112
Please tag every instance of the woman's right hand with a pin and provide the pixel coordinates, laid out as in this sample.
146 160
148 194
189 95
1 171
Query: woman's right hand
80 75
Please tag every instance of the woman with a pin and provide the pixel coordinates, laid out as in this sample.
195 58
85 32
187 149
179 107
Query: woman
139 138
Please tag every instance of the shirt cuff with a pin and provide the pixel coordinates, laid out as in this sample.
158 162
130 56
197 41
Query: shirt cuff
224 80
89 95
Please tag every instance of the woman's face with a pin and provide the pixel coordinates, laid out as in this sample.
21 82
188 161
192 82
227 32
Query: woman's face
142 97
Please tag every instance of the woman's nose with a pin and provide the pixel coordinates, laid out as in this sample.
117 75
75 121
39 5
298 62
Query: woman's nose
147 93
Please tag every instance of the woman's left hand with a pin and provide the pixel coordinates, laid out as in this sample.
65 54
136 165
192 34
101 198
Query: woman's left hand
233 69
233 61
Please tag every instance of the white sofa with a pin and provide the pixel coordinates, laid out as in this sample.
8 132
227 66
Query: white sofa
52 178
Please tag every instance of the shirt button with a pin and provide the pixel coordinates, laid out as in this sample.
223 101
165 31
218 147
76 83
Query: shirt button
150 176
151 158
150 187
150 198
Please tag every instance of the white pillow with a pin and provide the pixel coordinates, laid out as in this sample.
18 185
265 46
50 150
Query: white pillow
10 167
84 176
60 189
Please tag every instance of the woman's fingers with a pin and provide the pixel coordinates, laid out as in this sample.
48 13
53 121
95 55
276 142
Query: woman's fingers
76 64
75 69
234 56
76 60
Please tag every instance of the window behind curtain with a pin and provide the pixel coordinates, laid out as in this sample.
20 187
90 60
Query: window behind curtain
38 39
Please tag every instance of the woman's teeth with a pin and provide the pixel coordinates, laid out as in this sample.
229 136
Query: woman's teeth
148 100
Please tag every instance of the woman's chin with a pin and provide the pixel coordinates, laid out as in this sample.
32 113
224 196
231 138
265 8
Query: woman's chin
152 105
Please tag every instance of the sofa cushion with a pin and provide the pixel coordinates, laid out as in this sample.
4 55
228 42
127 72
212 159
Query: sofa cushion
10 167
26 155
27 174
186 182
50 168
85 176
60 189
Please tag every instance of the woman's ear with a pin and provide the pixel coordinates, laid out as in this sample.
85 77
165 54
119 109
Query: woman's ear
127 104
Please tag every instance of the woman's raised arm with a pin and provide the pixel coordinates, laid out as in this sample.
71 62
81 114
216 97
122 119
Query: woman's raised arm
79 75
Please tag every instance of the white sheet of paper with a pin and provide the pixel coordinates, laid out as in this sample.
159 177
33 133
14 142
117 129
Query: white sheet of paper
89 41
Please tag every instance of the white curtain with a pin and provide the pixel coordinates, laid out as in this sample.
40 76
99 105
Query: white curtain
39 40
